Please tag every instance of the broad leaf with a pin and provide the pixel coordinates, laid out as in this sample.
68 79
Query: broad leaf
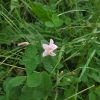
51 63
29 93
11 84
16 81
34 79
55 21
42 12
46 84
2 97
92 96
30 58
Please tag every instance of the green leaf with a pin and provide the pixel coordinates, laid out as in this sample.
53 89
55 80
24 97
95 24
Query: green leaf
40 85
34 79
16 81
29 93
13 83
46 86
97 91
49 63
92 96
94 93
69 91
49 24
56 20
67 20
2 97
95 75
30 58
42 12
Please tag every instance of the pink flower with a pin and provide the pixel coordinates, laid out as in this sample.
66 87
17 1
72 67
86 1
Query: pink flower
49 48
23 44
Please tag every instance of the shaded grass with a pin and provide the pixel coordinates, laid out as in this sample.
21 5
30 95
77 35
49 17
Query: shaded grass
73 24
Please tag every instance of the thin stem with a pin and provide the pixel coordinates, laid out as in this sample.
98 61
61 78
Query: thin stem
80 92
70 12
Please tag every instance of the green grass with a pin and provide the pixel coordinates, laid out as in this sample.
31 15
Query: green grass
74 73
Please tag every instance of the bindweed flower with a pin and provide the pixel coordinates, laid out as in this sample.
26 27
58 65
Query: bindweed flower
23 44
49 48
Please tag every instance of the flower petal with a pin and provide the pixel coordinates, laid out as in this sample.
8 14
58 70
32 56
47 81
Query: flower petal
45 46
45 54
53 46
51 41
